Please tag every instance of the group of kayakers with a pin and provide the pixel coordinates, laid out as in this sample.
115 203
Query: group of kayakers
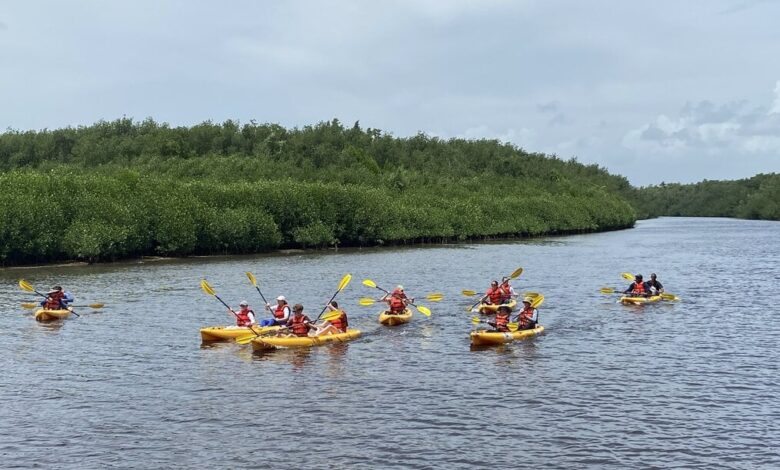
641 288
498 294
292 320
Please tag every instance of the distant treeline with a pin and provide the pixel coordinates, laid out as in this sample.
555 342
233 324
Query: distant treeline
753 198
126 189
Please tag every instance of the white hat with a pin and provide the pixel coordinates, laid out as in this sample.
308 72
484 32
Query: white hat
243 303
399 287
281 297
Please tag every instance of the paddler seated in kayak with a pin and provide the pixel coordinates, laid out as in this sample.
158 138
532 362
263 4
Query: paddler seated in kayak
397 300
655 286
245 316
637 288
495 295
335 326
501 320
298 324
57 299
281 313
508 290
527 318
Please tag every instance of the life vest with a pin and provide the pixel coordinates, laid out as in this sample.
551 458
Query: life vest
397 304
507 292
639 288
501 323
242 317
526 318
341 322
299 325
279 312
495 295
53 301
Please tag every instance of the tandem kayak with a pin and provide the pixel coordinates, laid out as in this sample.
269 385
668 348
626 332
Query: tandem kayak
263 343
388 319
639 300
43 315
490 338
227 333
492 308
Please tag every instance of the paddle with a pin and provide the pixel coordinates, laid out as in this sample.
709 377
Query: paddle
210 291
344 282
420 308
26 286
33 305
515 274
254 283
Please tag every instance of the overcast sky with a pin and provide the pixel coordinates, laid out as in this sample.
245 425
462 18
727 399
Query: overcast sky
656 90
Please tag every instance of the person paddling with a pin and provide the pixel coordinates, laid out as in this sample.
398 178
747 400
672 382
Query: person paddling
57 299
335 326
527 318
494 295
657 287
299 324
245 316
397 300
281 313
501 321
637 288
508 291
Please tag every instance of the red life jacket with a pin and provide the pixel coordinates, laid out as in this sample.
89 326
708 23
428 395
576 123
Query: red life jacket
507 292
279 312
397 304
53 301
299 324
526 317
501 323
639 288
341 322
242 318
495 295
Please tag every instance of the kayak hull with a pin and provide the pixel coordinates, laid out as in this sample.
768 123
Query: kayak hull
639 300
43 315
388 319
264 343
487 338
228 333
489 309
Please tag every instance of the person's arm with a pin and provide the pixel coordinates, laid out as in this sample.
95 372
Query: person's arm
286 312
630 288
252 320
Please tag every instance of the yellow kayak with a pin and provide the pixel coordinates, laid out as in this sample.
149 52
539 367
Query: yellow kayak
268 342
43 315
492 308
639 300
227 333
388 319
488 338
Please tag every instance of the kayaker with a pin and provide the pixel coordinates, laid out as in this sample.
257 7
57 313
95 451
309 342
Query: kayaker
397 300
494 295
338 325
281 313
245 316
508 290
299 324
637 288
501 320
657 287
527 317
56 299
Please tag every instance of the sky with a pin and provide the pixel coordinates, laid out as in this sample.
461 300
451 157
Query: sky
658 91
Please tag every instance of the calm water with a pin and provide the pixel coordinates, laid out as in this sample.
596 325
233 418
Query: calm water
692 384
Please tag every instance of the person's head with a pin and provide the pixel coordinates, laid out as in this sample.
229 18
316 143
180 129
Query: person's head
244 305
334 304
652 276
298 309
528 301
55 289
494 284
504 310
281 300
399 289
638 277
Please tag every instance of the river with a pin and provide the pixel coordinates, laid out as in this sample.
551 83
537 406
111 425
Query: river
691 384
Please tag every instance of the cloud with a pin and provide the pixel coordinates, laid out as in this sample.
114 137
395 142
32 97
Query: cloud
549 107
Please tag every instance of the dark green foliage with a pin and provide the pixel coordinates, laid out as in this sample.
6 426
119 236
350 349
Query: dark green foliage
123 189
753 198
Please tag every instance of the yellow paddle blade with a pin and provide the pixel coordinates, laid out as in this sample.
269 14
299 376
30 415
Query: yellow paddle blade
344 281
96 305
26 285
512 326
516 273
435 297
245 339
365 301
537 301
468 293
607 290
628 277
251 278
475 320
207 288
30 305
424 310
667 296
369 283
532 294
331 315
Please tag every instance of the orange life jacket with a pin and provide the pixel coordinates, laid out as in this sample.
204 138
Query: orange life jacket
501 323
639 288
299 324
53 301
279 312
507 292
526 317
341 322
242 317
397 304
495 295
